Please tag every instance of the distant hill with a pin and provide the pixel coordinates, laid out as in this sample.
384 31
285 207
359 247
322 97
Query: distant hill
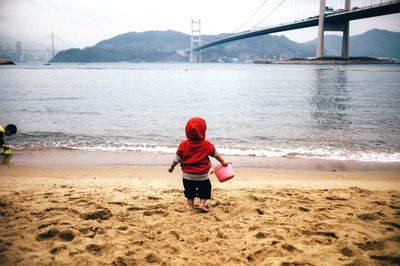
169 46
149 46
373 43
257 48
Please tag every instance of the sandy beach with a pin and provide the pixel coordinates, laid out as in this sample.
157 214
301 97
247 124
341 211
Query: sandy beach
82 208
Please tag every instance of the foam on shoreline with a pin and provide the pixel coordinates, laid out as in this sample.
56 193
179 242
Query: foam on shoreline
80 158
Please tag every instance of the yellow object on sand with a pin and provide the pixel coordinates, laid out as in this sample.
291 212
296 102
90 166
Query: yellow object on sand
7 152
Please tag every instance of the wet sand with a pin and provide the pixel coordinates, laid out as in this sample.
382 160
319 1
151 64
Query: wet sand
86 208
51 157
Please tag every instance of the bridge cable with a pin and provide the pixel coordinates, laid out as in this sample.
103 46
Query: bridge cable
59 38
258 9
269 13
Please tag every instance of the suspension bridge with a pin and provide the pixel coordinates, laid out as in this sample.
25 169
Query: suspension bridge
52 42
285 15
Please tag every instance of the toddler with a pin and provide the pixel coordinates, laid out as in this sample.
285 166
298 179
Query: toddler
193 154
6 131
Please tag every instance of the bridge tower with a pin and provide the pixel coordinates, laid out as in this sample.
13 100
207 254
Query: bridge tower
52 44
337 26
195 42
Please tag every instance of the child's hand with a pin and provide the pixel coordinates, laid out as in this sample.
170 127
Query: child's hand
171 168
224 163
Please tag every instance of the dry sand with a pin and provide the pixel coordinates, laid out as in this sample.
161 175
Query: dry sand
54 214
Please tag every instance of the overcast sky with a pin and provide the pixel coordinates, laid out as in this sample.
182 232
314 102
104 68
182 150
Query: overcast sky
85 22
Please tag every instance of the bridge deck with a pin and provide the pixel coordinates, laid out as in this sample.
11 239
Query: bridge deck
372 11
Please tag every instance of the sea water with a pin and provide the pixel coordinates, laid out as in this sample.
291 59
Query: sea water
346 112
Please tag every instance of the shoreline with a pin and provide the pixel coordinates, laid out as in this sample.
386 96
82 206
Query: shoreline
330 61
334 62
16 178
81 158
148 170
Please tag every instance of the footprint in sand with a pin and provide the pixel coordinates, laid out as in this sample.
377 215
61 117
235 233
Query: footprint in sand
156 212
91 231
47 194
151 258
121 262
47 235
289 247
274 242
261 235
371 245
304 209
94 249
153 198
371 216
175 234
347 252
58 249
260 211
258 198
222 235
73 198
254 227
135 208
320 233
67 235
97 215
82 203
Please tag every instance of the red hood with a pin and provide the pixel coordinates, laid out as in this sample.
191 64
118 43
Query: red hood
196 129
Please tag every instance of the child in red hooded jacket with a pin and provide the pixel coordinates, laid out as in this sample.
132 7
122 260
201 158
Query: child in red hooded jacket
193 154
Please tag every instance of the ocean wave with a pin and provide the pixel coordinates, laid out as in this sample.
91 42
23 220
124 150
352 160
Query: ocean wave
331 154
316 154
153 143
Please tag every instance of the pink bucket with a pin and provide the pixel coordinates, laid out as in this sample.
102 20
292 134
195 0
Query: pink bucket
224 173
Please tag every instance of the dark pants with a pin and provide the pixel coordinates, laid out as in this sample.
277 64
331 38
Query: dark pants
200 189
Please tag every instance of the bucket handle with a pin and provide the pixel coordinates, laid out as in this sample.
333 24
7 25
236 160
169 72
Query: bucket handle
212 171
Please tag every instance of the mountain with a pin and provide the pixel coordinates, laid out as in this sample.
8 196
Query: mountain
374 43
260 48
149 46
169 46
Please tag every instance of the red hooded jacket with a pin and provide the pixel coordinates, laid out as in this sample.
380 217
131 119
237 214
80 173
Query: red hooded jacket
195 150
